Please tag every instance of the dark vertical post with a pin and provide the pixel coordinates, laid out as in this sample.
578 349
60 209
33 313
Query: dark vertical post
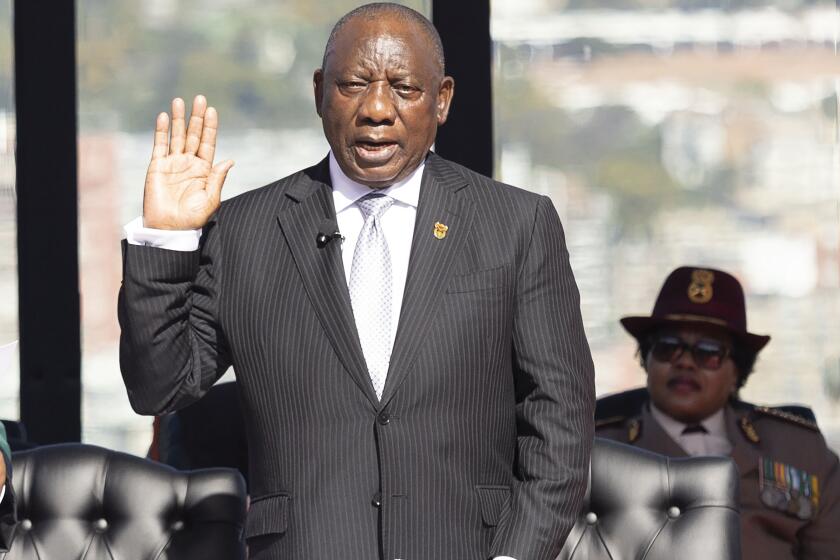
48 267
467 137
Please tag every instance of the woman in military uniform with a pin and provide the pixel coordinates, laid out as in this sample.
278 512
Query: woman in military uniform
697 353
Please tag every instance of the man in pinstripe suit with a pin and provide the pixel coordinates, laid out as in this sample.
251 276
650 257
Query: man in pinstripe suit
448 418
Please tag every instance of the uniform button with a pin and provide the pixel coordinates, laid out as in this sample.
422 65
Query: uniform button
26 524
673 512
384 418
591 518
100 524
377 500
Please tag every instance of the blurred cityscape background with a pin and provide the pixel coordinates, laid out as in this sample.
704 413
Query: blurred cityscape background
666 132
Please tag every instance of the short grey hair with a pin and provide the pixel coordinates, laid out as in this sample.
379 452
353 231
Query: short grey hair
376 9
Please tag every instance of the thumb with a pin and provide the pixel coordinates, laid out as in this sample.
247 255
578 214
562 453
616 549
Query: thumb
217 178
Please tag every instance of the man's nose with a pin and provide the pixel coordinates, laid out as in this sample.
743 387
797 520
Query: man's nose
377 105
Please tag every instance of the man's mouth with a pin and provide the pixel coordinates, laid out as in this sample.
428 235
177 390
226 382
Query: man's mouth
369 151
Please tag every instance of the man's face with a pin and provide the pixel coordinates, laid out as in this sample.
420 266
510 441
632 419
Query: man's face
684 387
381 97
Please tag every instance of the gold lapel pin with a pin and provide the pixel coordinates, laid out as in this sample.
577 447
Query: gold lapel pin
440 230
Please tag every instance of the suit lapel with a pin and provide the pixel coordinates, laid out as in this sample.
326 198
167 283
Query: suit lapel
430 264
321 269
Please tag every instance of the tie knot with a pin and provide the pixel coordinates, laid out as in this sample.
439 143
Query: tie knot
374 204
695 429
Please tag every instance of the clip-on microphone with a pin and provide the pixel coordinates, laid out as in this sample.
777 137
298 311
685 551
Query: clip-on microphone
327 232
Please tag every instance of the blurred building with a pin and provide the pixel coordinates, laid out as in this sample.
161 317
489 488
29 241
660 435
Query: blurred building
702 137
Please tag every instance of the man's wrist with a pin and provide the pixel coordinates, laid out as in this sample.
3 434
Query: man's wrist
174 240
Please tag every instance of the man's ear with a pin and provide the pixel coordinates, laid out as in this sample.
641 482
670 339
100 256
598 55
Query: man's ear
318 87
444 98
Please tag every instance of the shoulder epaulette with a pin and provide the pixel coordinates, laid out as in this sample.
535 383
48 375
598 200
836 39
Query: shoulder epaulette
611 421
634 427
634 430
792 418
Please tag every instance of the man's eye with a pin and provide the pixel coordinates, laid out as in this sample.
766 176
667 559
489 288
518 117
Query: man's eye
353 86
404 88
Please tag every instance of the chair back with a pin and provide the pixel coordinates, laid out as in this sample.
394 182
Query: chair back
84 502
644 505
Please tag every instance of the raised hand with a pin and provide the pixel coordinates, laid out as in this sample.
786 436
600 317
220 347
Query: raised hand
183 187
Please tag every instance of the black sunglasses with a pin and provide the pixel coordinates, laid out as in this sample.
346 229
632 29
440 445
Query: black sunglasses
708 354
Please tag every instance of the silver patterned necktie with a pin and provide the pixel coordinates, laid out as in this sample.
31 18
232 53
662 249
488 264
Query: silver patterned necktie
371 289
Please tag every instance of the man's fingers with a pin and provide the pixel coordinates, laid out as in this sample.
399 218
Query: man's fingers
216 179
207 148
161 147
176 143
196 122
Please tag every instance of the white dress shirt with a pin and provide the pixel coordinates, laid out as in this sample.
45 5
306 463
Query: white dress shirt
397 224
714 442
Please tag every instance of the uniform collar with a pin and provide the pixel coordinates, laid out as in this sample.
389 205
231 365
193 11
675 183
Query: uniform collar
347 191
653 436
714 424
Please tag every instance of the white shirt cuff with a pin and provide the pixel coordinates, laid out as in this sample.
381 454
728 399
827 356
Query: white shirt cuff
503 558
173 240
2 493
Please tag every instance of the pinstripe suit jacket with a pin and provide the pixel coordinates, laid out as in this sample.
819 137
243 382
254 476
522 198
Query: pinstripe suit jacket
480 444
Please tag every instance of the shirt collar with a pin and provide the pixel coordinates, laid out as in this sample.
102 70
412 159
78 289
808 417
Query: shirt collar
714 424
347 191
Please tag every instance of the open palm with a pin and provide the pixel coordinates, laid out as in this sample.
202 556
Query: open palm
183 187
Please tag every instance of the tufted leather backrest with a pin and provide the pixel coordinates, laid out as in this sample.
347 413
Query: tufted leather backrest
641 505
83 502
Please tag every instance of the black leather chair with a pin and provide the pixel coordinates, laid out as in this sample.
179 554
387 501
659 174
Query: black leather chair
16 435
644 505
83 502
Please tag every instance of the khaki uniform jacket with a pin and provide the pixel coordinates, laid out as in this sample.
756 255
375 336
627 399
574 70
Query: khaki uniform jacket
758 433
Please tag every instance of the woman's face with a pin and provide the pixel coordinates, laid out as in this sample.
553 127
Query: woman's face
690 372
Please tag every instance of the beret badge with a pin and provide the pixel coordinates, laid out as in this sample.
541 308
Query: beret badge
700 289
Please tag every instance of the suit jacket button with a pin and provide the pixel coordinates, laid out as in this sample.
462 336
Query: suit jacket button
384 418
377 500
